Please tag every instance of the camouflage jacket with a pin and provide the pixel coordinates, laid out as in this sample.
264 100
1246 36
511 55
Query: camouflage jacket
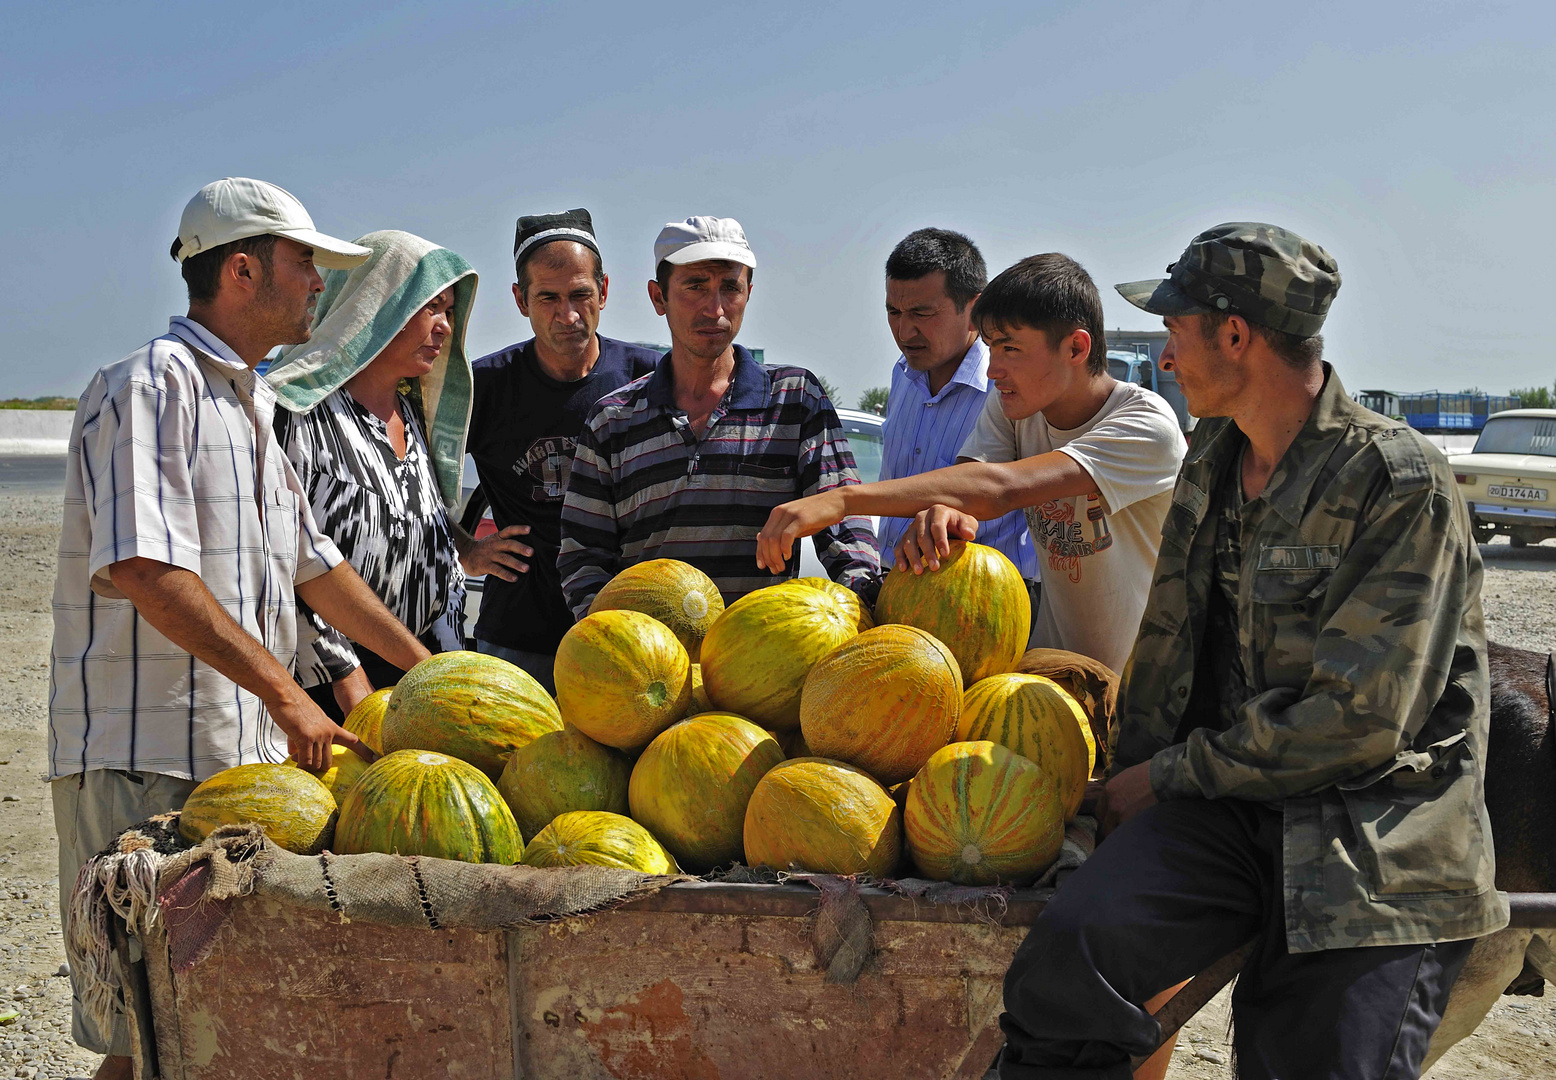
1362 641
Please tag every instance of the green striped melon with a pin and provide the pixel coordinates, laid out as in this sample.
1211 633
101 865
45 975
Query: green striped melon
621 678
420 802
979 814
883 701
691 786
1034 717
296 810
561 772
756 656
470 706
676 593
597 838
824 816
976 603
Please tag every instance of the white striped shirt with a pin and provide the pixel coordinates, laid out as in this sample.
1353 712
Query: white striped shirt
172 458
925 431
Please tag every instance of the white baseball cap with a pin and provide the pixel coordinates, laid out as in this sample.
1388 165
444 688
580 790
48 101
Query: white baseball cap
700 239
236 208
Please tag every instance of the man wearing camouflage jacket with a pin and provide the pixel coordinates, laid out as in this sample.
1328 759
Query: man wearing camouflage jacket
1302 726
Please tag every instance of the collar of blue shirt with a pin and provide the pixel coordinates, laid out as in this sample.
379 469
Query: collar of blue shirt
750 387
973 371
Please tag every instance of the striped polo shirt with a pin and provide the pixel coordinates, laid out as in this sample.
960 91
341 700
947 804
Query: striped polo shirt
644 486
926 431
172 458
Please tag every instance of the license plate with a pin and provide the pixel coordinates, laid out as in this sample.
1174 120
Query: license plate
1505 491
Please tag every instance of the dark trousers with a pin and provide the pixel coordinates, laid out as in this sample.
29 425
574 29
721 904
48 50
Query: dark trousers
1178 887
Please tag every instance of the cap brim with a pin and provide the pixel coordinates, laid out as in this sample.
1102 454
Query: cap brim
328 252
1160 296
710 251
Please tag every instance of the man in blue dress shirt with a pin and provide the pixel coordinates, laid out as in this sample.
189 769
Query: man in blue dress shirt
940 381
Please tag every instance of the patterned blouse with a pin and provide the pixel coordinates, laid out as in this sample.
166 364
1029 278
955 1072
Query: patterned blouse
386 517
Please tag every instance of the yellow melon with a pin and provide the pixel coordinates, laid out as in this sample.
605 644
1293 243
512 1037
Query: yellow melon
1034 717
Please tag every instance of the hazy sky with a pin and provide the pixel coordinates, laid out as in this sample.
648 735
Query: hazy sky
1414 141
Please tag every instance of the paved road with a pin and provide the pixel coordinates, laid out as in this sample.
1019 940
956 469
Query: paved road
32 473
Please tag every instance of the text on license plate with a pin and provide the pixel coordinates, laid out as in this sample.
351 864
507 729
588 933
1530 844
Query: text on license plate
1505 491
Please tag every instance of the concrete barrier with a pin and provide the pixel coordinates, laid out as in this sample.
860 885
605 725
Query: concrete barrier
35 431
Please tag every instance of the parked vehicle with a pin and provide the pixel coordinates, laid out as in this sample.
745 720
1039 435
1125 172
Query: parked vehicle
1133 364
1509 478
1434 411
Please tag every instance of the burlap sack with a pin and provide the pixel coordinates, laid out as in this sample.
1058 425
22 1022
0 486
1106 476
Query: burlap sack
1093 684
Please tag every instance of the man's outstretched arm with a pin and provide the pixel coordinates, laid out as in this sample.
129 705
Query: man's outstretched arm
343 599
981 489
178 606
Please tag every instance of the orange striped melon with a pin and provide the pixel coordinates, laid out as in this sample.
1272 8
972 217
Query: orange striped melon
598 838
561 772
756 656
691 786
366 718
622 677
467 705
295 810
976 603
883 701
978 814
824 816
845 596
1034 717
676 593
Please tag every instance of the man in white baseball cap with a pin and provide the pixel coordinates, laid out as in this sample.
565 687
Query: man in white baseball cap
186 549
236 208
687 462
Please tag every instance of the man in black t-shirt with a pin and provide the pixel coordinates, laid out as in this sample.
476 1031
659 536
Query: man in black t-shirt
530 401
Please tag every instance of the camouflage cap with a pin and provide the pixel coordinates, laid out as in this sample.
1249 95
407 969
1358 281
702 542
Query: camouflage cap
1264 273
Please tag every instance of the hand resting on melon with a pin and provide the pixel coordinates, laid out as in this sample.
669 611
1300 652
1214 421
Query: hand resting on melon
979 490
178 605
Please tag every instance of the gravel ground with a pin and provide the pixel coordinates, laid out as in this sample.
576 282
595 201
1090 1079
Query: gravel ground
1515 1041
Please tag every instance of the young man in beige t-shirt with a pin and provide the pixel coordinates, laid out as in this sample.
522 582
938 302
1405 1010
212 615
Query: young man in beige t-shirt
1091 460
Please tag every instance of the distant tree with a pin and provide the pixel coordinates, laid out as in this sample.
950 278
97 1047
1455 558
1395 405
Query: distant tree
874 400
1534 397
828 387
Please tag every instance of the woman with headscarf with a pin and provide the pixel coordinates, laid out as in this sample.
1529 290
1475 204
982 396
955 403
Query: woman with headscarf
375 408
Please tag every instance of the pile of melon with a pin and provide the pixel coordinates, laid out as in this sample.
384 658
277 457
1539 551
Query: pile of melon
795 729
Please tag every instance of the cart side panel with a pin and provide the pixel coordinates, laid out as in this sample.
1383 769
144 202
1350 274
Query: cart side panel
287 992
646 995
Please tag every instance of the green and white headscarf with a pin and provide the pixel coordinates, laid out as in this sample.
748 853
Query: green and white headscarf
361 311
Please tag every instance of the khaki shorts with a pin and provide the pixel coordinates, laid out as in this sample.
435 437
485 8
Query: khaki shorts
91 809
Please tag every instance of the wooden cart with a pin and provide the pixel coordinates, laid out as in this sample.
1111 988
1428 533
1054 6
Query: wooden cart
698 980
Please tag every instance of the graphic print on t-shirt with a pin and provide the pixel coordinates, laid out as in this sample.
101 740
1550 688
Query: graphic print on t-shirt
1055 530
547 463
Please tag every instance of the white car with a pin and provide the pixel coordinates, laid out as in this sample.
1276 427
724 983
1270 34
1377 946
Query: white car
866 440
1509 478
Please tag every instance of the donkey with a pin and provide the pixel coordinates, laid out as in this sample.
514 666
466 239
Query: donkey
1521 802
